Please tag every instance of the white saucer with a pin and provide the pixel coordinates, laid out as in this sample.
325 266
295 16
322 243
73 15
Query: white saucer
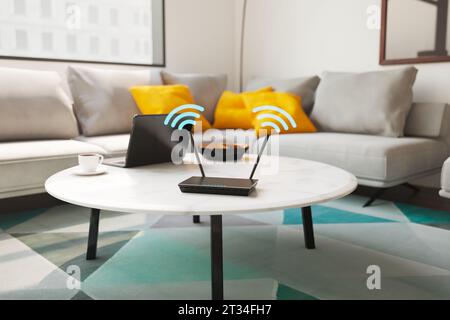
99 171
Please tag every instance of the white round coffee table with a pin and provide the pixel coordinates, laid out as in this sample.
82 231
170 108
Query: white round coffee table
293 183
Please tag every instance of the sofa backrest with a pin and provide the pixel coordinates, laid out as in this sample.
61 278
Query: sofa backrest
430 120
34 106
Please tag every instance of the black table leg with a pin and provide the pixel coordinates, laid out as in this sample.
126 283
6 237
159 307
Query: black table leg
196 219
216 258
308 229
93 235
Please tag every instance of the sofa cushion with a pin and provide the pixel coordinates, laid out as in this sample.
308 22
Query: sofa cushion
304 87
103 103
374 103
26 165
206 88
445 181
425 120
368 157
34 105
114 145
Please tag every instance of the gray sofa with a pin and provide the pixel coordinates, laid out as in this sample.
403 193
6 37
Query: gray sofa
376 161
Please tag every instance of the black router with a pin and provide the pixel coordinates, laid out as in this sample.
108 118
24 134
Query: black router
216 185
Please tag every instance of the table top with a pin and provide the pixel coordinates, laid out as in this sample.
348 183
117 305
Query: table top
283 183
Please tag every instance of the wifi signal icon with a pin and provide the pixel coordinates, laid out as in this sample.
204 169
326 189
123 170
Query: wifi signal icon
181 113
273 120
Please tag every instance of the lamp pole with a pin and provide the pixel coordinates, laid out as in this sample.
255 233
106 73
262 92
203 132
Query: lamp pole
241 57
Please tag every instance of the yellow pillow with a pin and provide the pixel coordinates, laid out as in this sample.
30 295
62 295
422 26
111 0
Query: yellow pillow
285 116
231 112
163 99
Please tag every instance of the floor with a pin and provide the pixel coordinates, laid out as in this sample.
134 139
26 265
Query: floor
42 254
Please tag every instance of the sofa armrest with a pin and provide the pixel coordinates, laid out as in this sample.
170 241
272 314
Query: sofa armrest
445 128
445 176
426 120
429 120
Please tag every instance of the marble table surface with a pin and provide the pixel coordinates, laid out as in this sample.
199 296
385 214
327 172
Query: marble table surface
283 183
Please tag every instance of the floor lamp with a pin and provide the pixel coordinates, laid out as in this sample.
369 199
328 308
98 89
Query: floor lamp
241 58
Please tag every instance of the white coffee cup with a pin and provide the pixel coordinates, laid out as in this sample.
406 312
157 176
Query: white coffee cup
89 162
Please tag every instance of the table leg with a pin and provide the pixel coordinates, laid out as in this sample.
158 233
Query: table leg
216 258
196 219
308 229
93 235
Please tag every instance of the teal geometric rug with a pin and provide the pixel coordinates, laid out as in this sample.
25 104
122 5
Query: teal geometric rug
42 254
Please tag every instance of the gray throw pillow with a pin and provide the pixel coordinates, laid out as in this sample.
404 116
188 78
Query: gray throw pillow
205 88
375 103
103 103
33 105
304 87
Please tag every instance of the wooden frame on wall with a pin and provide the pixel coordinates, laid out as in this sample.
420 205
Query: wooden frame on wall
383 46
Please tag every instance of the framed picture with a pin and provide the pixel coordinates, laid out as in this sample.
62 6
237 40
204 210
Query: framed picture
414 31
94 31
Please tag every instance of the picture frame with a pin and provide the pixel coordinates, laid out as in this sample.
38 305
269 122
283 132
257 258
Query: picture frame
436 36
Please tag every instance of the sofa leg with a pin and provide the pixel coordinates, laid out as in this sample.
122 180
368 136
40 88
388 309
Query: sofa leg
410 186
196 219
374 197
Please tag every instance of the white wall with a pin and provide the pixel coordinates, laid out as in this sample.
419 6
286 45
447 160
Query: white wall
200 37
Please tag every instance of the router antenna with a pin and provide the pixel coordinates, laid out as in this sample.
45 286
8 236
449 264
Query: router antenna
197 155
259 155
